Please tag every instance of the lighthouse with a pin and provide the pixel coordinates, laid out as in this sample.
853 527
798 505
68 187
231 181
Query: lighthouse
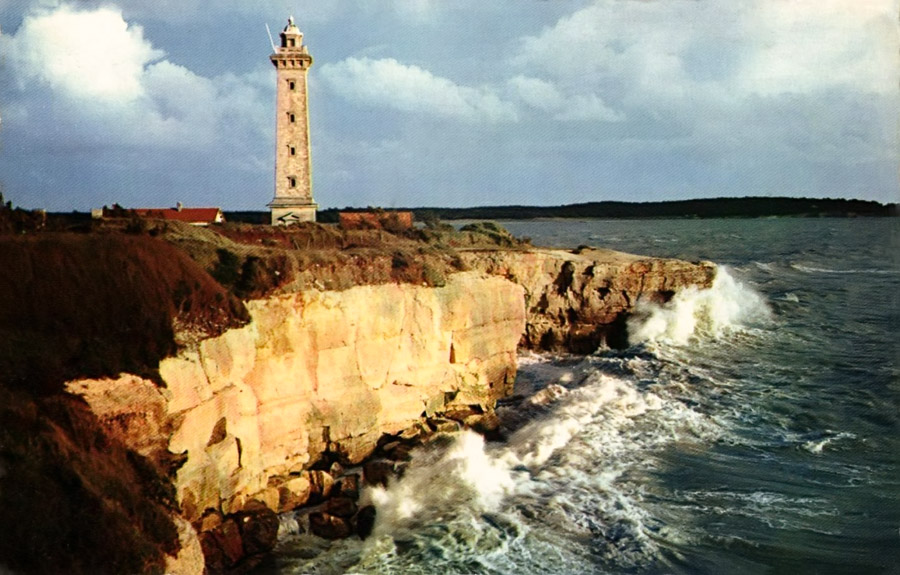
293 201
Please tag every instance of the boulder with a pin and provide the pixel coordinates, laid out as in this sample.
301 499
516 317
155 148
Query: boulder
365 521
259 528
328 526
293 493
320 485
349 486
222 546
378 471
343 507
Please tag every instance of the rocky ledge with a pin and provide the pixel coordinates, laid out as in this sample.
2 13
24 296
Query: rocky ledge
577 301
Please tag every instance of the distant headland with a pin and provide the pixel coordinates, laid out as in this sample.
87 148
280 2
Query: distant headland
746 207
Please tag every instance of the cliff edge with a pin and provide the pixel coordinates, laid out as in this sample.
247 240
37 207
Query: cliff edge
198 381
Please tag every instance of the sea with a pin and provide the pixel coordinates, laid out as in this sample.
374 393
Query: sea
753 427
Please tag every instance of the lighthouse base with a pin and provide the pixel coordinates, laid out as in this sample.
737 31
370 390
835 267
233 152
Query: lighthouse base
286 213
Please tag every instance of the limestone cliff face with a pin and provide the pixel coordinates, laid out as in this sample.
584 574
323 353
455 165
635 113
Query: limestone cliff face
315 372
244 415
578 301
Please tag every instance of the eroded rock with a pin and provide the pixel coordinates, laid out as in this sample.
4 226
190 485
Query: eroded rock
577 301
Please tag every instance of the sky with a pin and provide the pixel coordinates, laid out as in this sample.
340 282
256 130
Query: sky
451 103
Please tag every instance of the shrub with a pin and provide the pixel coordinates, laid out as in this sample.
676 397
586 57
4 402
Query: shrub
228 268
433 276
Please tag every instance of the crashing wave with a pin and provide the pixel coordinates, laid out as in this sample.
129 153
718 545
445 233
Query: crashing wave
726 306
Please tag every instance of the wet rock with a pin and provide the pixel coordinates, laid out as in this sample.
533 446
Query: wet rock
400 452
349 486
547 396
222 546
487 424
516 415
259 528
328 526
343 507
321 484
365 521
378 471
390 446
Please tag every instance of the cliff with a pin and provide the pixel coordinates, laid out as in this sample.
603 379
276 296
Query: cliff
578 301
315 373
241 408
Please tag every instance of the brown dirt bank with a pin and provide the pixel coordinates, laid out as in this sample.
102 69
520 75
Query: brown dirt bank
75 305
72 498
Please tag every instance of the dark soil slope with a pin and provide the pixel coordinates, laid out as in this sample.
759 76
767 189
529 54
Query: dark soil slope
72 499
74 305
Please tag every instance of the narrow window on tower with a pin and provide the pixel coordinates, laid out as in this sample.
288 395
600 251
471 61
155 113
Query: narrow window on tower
292 118
293 151
291 85
292 182
291 42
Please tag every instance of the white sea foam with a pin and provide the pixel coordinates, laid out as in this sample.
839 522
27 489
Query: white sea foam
726 306
535 443
559 480
820 270
450 470
817 445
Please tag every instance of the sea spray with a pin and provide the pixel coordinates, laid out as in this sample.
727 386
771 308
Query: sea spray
450 470
531 503
699 313
533 444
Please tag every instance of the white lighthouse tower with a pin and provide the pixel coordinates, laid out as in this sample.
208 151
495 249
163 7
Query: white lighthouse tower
293 201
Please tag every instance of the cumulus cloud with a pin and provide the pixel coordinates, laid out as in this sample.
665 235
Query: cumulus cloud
682 49
802 47
545 96
88 55
97 81
388 83
729 80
